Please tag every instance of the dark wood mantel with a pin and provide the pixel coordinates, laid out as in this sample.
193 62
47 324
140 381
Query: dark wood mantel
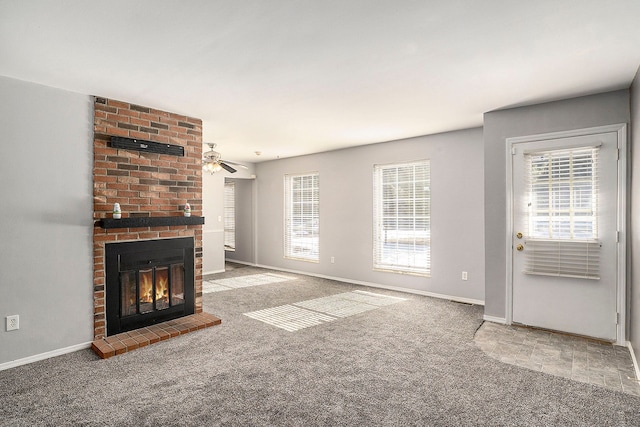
150 221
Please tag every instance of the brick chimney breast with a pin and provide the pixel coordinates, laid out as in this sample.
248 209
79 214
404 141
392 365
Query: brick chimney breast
144 184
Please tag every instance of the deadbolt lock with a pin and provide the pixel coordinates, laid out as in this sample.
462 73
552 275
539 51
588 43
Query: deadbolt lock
519 247
519 235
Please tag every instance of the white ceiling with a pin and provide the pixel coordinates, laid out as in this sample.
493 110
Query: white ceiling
290 77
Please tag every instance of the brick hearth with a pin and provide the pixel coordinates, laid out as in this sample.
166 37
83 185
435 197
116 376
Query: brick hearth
128 341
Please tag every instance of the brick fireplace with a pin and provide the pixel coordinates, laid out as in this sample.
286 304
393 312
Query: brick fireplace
146 185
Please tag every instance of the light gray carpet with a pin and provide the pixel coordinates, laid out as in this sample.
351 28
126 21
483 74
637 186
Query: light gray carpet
410 363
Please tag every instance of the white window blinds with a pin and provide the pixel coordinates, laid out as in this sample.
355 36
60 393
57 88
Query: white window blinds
402 217
563 258
229 216
302 217
563 213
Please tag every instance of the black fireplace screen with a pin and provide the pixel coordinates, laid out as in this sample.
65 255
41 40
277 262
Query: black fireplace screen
148 282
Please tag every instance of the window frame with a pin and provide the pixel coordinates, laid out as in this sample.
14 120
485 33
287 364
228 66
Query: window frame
229 229
555 172
309 211
421 236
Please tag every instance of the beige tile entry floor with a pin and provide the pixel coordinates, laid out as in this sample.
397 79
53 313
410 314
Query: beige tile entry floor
577 358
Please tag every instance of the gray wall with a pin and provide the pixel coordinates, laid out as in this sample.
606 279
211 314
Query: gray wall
213 254
46 258
346 212
634 235
244 222
213 229
583 112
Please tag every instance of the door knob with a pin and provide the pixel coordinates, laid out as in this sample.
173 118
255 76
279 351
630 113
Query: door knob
519 247
519 235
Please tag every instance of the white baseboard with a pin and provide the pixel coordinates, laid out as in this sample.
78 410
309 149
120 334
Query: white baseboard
500 320
251 264
204 273
378 285
43 356
635 361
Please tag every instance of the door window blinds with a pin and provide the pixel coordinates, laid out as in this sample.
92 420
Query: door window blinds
229 216
402 217
302 217
562 209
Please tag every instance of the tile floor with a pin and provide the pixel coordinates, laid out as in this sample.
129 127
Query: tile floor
577 358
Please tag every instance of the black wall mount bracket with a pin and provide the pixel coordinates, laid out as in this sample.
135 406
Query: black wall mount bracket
146 146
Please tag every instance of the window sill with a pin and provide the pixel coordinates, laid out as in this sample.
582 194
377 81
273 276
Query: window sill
406 273
315 261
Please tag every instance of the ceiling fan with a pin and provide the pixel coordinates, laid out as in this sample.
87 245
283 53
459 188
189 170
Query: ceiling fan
212 162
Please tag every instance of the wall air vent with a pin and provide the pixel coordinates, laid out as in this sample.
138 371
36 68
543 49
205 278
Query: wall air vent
146 146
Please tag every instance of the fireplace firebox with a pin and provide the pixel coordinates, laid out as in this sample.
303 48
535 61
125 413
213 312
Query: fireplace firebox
147 282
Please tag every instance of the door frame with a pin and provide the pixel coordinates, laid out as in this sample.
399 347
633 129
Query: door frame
621 272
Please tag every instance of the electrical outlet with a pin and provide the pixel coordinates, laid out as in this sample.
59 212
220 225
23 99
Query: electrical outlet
13 323
465 276
333 260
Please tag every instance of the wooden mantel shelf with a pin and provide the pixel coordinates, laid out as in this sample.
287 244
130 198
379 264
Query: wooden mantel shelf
150 221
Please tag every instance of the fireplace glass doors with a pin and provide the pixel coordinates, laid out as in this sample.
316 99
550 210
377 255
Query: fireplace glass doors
151 289
148 282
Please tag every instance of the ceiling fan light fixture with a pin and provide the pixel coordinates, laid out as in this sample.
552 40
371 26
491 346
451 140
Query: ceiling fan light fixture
212 161
211 167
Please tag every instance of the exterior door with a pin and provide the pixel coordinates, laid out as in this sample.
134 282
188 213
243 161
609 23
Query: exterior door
565 234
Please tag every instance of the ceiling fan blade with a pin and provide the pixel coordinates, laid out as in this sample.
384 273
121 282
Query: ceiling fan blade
235 164
227 167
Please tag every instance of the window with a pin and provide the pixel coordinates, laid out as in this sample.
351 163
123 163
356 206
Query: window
302 217
562 206
402 217
229 216
563 194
